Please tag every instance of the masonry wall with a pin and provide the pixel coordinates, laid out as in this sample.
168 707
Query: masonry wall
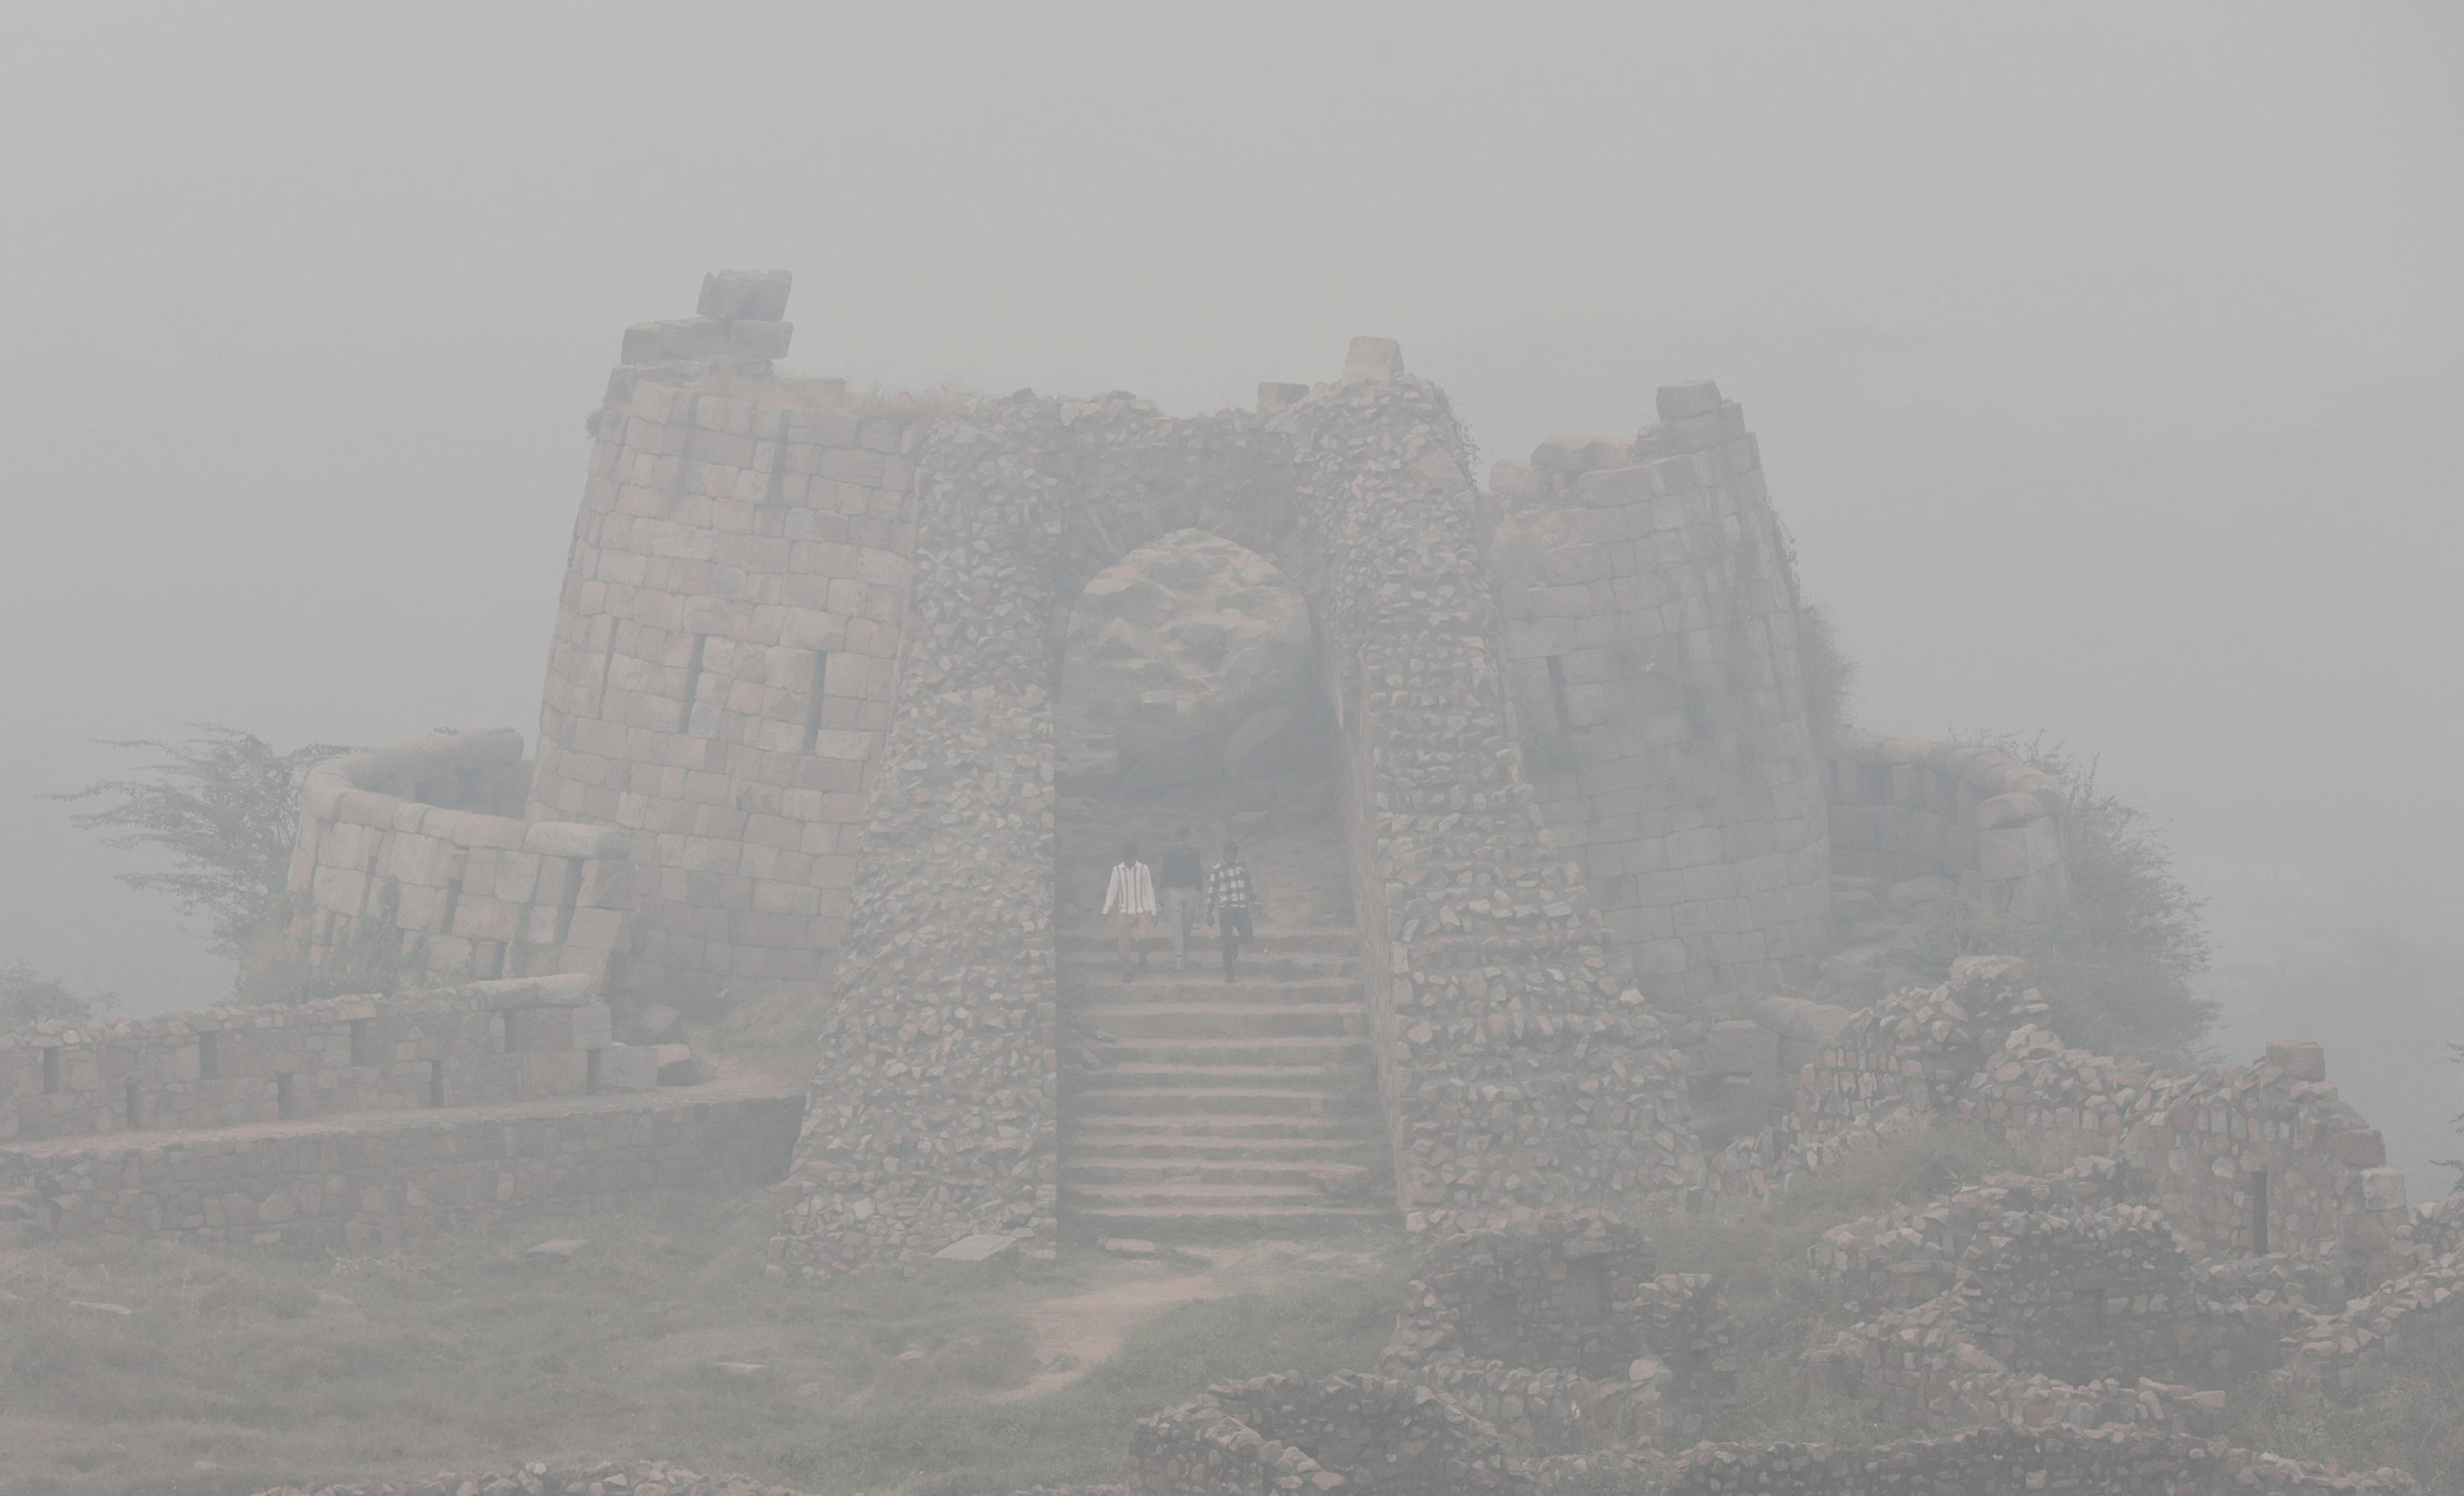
725 650
489 1041
1651 654
1904 808
427 840
373 1182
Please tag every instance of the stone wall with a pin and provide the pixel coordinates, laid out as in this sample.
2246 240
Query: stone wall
372 1180
485 1042
725 648
607 1478
2242 1159
427 839
1351 1431
1555 1332
1650 654
1903 808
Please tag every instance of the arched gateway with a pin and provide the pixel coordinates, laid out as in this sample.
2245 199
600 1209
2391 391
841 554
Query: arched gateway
1516 1064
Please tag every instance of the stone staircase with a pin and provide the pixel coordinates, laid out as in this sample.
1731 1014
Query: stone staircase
1195 1110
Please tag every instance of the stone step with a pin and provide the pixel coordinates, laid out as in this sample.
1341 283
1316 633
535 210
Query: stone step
1169 1130
1303 1050
1225 1223
1174 1174
1179 1195
1209 1095
1107 989
1269 940
1230 1021
1206 964
1336 1145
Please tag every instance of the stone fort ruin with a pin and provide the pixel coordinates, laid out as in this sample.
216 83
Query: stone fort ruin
849 698
803 747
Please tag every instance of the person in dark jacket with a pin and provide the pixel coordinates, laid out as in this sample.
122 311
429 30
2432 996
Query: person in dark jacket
1180 878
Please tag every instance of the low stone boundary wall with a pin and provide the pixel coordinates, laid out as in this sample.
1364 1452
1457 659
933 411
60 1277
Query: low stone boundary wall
375 1180
628 1478
1903 807
477 1043
491 894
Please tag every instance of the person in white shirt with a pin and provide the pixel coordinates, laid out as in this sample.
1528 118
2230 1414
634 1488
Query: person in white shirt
1129 903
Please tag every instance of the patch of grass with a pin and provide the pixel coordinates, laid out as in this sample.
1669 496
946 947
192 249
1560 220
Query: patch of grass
239 1370
2406 1411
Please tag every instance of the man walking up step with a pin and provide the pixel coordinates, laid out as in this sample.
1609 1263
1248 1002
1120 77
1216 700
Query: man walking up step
1129 903
1178 878
1227 899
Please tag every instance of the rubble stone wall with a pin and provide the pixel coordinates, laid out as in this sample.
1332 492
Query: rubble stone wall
2006 1462
368 1181
1651 653
1356 1431
485 1042
1525 1068
428 838
539 1479
725 650
1903 808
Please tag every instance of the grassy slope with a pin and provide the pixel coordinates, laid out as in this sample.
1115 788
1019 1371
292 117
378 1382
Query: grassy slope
463 1356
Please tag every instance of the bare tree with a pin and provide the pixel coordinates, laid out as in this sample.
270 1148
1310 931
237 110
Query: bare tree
221 806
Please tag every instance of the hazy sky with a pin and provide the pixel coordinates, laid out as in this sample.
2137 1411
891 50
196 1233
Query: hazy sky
2105 358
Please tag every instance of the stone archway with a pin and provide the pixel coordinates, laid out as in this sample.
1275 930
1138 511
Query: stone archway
933 1115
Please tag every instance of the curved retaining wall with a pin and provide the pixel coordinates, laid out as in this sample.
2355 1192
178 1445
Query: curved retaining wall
414 835
1903 807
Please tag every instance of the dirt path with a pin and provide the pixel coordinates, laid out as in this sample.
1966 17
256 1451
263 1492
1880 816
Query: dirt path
1075 1333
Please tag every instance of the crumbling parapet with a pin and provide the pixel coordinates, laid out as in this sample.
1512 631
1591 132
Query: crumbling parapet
1904 808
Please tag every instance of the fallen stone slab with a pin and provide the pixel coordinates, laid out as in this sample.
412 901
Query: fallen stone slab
1129 1247
981 1253
561 1249
121 1309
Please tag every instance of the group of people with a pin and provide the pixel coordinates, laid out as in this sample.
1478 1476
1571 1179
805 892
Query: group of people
1185 884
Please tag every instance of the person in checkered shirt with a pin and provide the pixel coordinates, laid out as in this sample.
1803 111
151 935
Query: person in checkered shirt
1228 901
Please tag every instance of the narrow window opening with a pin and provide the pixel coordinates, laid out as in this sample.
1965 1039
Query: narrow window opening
436 1082
359 1041
607 665
367 887
692 684
282 1102
51 1071
590 1072
133 1124
452 904
813 698
2259 1214
504 1033
1558 693
492 959
570 902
